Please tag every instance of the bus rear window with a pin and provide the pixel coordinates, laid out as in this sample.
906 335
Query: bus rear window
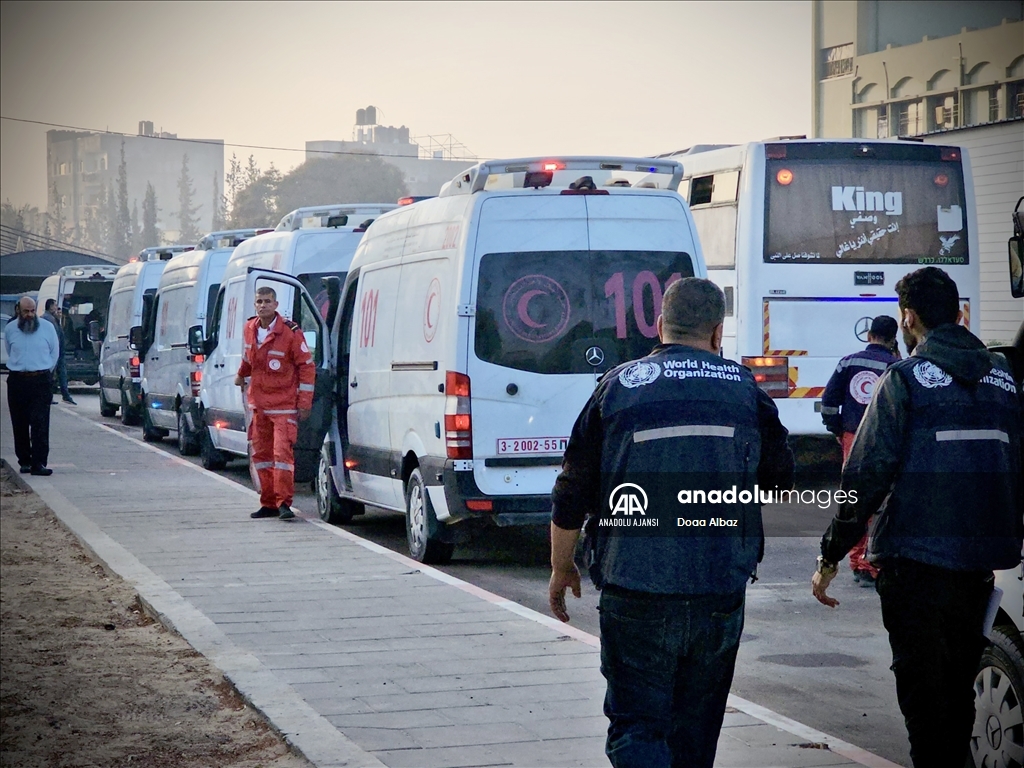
545 311
865 212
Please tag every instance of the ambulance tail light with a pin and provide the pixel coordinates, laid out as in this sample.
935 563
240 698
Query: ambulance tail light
195 381
135 367
458 421
770 373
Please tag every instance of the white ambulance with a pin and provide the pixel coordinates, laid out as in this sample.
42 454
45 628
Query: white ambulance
309 244
171 374
123 345
475 325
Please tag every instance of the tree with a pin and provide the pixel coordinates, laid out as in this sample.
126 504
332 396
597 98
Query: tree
137 241
121 229
233 181
111 233
55 219
349 179
219 205
150 234
25 218
256 203
188 221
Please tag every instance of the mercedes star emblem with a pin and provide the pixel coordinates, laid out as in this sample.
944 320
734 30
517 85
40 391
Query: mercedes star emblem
595 356
861 328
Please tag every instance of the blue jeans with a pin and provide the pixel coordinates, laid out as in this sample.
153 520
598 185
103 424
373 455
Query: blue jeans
668 660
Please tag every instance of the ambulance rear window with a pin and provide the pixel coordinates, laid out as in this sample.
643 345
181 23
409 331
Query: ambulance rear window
546 311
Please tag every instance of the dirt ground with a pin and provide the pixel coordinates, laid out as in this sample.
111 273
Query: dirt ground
87 678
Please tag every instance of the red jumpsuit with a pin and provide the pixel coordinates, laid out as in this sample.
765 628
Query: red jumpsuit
281 375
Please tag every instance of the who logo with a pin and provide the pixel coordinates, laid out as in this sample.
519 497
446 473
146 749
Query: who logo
627 499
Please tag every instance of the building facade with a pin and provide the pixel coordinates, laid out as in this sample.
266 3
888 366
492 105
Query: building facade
80 166
946 72
424 169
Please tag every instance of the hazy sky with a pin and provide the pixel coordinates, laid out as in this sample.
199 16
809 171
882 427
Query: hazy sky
506 79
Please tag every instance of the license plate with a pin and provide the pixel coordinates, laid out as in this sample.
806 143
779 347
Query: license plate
526 445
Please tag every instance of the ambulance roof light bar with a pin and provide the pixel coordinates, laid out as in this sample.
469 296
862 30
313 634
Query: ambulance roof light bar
315 216
474 179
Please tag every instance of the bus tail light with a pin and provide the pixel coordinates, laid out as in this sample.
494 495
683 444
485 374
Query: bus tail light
775 151
195 381
458 420
770 373
949 153
135 367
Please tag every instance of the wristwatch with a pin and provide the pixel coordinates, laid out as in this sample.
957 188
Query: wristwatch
825 568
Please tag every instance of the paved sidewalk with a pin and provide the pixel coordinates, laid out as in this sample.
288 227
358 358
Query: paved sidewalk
358 655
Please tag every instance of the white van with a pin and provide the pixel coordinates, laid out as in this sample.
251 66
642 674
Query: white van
475 325
309 244
82 291
171 374
120 368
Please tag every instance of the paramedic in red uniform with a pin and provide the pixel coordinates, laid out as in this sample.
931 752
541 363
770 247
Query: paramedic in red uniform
281 373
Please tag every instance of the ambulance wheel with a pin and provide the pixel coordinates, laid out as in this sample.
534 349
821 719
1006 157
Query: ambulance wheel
188 442
106 409
209 456
129 416
422 528
998 691
332 508
150 433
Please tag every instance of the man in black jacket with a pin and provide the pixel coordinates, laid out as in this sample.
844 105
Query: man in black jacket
666 459
937 456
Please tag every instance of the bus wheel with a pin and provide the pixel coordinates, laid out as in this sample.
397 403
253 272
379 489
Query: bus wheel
106 409
129 416
422 528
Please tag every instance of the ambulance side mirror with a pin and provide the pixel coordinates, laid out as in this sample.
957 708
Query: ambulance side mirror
1016 252
196 342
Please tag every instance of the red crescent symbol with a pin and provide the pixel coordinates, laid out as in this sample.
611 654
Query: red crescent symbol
430 302
524 301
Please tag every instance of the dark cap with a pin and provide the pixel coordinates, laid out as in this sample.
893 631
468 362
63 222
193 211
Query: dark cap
883 327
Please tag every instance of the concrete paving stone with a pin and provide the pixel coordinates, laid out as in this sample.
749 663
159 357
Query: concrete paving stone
735 718
376 739
424 718
335 707
345 686
468 735
498 696
501 713
465 681
512 664
565 753
595 726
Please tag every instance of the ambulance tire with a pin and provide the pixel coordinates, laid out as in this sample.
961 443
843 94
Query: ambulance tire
332 508
188 441
999 689
129 416
150 433
423 531
209 456
106 409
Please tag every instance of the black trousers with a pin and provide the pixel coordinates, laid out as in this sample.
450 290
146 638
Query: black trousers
934 618
28 397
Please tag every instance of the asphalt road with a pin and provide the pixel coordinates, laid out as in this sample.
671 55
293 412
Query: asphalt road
826 668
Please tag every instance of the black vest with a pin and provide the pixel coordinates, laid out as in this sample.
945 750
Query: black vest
680 420
956 502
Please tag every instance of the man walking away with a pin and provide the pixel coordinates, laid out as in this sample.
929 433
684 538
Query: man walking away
842 407
280 394
32 352
672 594
937 460
53 314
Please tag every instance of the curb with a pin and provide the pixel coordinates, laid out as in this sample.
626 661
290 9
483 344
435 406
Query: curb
17 479
305 730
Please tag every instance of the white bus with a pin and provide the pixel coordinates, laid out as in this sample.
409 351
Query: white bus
808 237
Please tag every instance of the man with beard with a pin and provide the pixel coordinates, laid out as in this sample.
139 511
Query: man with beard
32 353
937 457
